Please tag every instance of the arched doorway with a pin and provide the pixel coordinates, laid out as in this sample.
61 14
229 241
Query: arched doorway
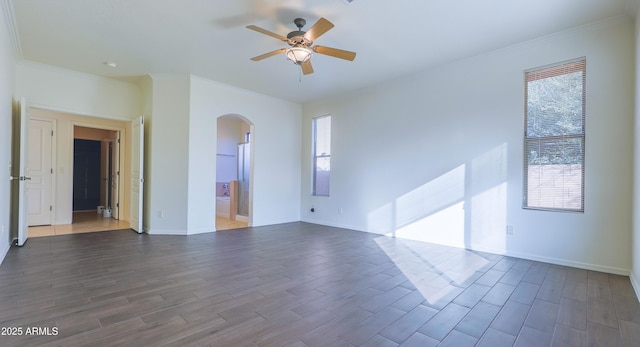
233 172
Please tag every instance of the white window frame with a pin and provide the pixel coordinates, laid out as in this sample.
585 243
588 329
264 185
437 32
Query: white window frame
566 192
321 156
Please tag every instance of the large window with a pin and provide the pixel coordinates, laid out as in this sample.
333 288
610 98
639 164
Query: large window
554 137
321 155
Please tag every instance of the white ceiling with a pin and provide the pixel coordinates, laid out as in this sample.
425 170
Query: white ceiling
208 38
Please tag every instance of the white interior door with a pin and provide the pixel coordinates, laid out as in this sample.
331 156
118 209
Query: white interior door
115 177
104 172
20 174
39 166
137 172
114 174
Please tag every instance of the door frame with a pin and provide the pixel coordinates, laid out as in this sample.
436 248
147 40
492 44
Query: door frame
66 120
113 171
121 134
116 168
251 160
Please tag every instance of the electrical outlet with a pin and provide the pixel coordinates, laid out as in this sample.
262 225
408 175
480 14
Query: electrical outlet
4 228
160 214
510 230
340 210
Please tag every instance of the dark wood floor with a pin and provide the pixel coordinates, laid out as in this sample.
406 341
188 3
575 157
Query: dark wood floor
300 284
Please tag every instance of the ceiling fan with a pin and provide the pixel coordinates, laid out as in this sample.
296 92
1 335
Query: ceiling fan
301 44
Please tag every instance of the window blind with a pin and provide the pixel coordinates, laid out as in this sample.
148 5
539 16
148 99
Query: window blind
554 141
321 127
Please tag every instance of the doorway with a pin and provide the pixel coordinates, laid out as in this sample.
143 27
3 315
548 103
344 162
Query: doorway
96 173
234 183
96 158
86 175
111 136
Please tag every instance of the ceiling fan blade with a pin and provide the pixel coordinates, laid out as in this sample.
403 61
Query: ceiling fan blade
320 27
270 54
267 32
306 67
334 52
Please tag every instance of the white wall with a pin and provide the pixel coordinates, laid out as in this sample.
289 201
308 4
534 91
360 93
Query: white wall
7 62
437 156
181 145
275 145
68 91
72 97
167 155
635 267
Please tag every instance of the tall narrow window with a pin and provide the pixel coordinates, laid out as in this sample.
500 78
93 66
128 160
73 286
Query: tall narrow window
321 155
555 137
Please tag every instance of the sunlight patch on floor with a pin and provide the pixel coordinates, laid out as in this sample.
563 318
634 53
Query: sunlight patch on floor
83 222
448 268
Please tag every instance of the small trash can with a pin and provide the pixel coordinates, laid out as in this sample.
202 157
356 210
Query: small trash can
106 213
100 209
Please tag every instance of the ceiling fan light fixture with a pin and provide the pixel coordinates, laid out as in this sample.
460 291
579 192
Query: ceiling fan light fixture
298 54
300 43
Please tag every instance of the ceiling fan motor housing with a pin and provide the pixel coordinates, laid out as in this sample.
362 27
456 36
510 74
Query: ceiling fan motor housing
296 37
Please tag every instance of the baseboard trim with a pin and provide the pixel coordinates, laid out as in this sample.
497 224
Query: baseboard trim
3 252
337 225
166 232
178 232
273 222
555 261
570 263
635 284
200 231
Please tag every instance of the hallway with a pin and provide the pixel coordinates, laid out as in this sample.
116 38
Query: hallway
89 221
226 224
83 222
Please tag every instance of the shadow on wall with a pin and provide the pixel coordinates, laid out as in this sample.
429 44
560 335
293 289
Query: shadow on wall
464 207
